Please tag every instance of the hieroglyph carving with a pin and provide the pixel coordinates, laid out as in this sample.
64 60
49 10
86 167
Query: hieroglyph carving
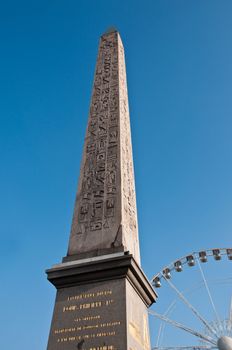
129 210
106 192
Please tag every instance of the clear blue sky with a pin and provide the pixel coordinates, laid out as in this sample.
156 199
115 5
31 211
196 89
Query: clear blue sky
179 66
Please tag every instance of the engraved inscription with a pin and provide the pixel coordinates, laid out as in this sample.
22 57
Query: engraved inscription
88 317
106 192
98 179
128 186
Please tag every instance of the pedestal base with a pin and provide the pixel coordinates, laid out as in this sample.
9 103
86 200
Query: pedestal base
101 304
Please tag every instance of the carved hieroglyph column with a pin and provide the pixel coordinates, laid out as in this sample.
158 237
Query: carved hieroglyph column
105 217
102 293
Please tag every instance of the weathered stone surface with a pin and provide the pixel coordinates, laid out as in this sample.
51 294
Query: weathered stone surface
105 216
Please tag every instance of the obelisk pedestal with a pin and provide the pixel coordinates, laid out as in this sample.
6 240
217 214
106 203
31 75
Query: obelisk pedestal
102 292
100 305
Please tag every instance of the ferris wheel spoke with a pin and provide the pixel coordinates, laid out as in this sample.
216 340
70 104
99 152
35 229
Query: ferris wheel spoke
209 295
193 347
229 326
160 333
208 339
161 327
192 308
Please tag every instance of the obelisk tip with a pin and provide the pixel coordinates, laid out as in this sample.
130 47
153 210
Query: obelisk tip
110 30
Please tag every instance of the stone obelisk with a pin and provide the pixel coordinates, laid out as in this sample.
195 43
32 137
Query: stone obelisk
102 292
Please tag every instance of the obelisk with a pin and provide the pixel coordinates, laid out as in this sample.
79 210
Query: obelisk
102 292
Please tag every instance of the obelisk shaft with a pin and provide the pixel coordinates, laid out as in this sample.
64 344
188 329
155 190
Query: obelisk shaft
105 216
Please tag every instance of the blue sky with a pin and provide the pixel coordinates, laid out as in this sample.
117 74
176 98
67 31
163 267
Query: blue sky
179 66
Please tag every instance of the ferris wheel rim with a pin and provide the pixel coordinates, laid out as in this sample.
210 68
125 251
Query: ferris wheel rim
215 332
189 260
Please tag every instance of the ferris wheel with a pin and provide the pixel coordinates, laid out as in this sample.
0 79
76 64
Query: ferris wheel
195 311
